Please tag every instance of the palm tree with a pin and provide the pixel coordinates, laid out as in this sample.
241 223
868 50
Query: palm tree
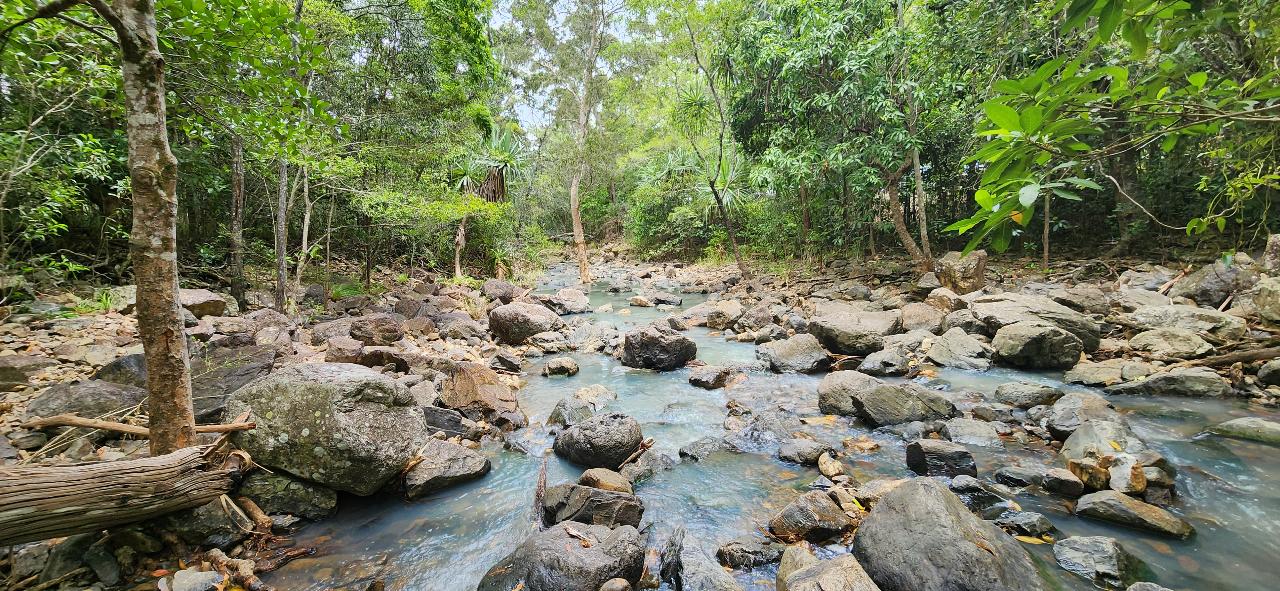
483 173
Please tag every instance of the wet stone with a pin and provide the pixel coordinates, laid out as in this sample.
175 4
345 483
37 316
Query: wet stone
748 553
932 457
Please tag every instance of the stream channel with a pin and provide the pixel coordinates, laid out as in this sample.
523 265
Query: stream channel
1226 488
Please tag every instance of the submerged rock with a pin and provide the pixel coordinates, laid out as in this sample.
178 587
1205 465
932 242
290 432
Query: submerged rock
1100 559
602 441
1251 428
557 559
344 426
921 537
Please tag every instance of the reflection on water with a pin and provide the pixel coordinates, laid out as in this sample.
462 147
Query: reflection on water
446 542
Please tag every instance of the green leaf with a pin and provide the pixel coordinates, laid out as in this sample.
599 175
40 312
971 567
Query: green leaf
1167 144
1109 19
1002 115
1083 183
1222 223
1068 195
984 199
1198 79
1031 118
1028 194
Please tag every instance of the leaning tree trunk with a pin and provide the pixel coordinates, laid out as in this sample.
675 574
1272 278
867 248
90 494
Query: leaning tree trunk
153 173
237 221
899 217
922 218
728 228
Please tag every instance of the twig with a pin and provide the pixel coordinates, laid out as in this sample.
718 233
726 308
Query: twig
644 446
58 581
71 420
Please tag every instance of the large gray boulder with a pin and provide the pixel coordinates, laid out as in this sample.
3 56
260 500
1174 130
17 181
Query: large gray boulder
838 389
854 333
963 273
586 504
1074 408
567 301
1194 382
1171 342
501 291
1100 559
933 457
1212 284
957 349
602 441
799 354
1000 310
921 537
1036 345
813 516
569 556
341 425
89 399
279 494
443 464
1250 428
202 302
515 322
1220 325
657 347
894 404
1116 507
842 573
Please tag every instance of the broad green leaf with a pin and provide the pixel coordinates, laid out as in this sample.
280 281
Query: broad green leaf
1198 79
1028 194
1002 115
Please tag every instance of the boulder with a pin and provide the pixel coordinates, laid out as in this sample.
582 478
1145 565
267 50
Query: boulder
1097 437
724 314
845 325
1171 342
1220 325
202 302
1025 523
802 451
921 537
1074 408
891 361
971 432
900 403
1117 507
586 504
90 398
934 457
377 329
1100 559
1036 345
837 390
16 370
1195 382
710 377
569 556
799 354
946 300
842 573
1212 284
1250 428
570 411
605 479
344 426
566 301
794 558
219 372
501 291
748 553
813 516
922 316
963 273
278 494
479 393
514 323
1062 482
957 349
1266 298
1269 373
602 441
443 465
1107 372
1026 394
657 347
208 525
1000 310
560 366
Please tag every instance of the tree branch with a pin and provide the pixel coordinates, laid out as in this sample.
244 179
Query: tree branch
49 10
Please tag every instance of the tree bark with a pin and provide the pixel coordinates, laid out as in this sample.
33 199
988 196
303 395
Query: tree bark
922 219
1044 239
804 220
42 502
153 172
304 251
580 143
728 227
459 243
281 237
237 221
898 215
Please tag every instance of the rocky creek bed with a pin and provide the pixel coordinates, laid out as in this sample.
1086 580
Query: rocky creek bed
1015 413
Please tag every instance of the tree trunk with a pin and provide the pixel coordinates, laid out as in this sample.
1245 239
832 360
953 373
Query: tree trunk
237 221
281 236
328 254
153 172
896 212
459 243
304 250
580 143
922 219
43 502
1044 260
728 228
579 237
804 220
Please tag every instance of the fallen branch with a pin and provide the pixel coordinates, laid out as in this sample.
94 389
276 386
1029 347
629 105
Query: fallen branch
1234 357
71 420
644 446
58 581
240 571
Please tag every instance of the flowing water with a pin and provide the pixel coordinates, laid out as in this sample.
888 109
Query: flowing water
1227 488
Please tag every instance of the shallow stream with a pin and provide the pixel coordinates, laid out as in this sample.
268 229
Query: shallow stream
1226 488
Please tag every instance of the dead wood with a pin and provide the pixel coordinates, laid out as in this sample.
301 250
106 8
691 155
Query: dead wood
71 420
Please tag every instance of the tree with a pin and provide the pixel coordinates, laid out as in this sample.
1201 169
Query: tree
154 175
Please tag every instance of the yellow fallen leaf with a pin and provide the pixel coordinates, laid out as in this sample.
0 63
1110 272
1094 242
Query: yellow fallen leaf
1015 505
1114 445
1028 540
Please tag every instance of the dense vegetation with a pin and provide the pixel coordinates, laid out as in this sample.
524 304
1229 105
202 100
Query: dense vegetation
466 137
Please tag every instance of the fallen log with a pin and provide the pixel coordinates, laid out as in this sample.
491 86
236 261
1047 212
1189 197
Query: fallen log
42 502
71 420
1242 356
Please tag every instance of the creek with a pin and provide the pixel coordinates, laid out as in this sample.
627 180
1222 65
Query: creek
447 541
